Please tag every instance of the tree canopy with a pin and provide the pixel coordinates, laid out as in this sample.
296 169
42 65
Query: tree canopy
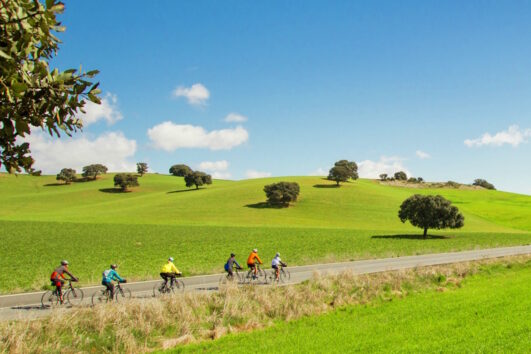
342 171
197 179
92 171
430 212
180 170
33 95
401 176
125 181
282 193
483 183
67 175
141 168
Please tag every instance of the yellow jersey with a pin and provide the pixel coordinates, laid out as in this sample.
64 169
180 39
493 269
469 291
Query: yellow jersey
169 268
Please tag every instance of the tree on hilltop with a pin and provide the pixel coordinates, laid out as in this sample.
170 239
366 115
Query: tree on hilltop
92 171
32 94
180 170
141 168
401 176
197 179
342 171
430 212
125 181
383 177
483 183
282 193
67 175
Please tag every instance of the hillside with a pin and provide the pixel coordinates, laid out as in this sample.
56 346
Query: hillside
42 222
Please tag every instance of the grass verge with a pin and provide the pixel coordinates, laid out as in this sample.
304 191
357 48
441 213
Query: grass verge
142 325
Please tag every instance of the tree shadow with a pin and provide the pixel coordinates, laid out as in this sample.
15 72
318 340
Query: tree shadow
413 237
265 205
325 186
56 184
185 190
112 190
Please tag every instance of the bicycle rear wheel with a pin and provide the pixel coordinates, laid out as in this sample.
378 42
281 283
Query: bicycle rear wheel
99 297
75 296
160 289
50 299
122 294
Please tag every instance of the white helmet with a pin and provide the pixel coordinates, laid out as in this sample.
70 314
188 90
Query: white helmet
277 255
255 250
170 259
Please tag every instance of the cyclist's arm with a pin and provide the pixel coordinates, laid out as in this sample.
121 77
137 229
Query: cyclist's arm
116 276
72 276
237 264
174 269
258 259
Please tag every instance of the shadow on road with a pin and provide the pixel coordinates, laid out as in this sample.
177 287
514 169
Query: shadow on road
30 307
413 237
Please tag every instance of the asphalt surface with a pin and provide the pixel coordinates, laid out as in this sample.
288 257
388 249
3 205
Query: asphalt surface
28 305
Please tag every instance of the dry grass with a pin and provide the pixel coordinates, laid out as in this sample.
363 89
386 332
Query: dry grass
144 325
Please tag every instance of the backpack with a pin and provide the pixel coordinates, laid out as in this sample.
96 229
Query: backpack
227 266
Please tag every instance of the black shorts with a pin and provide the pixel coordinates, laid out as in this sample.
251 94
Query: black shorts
274 267
251 265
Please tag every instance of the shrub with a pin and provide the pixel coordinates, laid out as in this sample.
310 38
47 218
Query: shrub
383 177
401 176
67 175
483 183
125 181
282 193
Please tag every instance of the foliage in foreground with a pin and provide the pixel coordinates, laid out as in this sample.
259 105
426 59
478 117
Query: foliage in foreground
143 324
32 95
430 212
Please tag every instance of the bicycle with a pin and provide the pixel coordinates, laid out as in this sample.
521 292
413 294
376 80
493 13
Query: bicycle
250 277
283 275
236 276
175 285
72 296
104 295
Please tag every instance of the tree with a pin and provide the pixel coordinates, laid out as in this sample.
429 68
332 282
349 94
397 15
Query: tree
180 170
401 176
430 212
32 95
92 171
282 193
125 181
141 168
483 183
383 177
67 175
197 179
342 171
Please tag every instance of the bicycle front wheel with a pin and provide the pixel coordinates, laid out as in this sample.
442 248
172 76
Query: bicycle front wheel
122 294
99 297
285 276
178 285
50 299
75 296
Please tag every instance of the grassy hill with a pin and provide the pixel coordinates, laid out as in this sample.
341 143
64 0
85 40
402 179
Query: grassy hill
90 225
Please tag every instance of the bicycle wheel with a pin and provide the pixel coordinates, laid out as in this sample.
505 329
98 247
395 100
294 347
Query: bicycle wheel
99 297
160 289
223 279
50 299
122 294
75 296
285 275
178 286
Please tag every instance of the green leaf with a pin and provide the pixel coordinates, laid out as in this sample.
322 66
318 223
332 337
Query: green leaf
93 72
4 55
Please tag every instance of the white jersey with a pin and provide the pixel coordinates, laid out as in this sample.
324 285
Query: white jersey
276 262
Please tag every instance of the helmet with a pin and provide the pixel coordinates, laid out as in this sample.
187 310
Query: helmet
255 250
277 255
170 259
64 262
114 266
232 255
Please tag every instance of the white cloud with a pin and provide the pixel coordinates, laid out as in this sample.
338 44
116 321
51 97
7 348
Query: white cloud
235 117
196 94
257 174
112 149
512 136
319 172
107 110
422 155
389 165
214 165
170 137
221 175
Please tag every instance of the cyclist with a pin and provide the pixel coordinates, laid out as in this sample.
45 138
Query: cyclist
58 278
275 263
108 276
230 265
169 271
251 262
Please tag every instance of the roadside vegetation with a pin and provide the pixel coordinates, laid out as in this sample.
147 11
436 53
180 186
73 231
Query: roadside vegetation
146 324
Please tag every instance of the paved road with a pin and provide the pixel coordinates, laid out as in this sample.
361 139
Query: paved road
27 305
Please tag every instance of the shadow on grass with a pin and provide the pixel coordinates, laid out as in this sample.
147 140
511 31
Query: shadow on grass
325 186
264 205
112 190
413 237
56 184
185 190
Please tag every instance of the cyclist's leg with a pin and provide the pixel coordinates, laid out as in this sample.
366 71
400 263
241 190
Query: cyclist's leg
59 287
164 276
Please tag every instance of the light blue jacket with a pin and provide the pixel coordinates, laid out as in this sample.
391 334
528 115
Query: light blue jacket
110 275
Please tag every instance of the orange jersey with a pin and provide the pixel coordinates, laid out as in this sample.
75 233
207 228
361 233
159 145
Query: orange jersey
252 257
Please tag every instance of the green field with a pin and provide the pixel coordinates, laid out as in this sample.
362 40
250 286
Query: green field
42 222
489 314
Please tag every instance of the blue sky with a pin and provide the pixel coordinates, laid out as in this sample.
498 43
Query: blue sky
390 85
